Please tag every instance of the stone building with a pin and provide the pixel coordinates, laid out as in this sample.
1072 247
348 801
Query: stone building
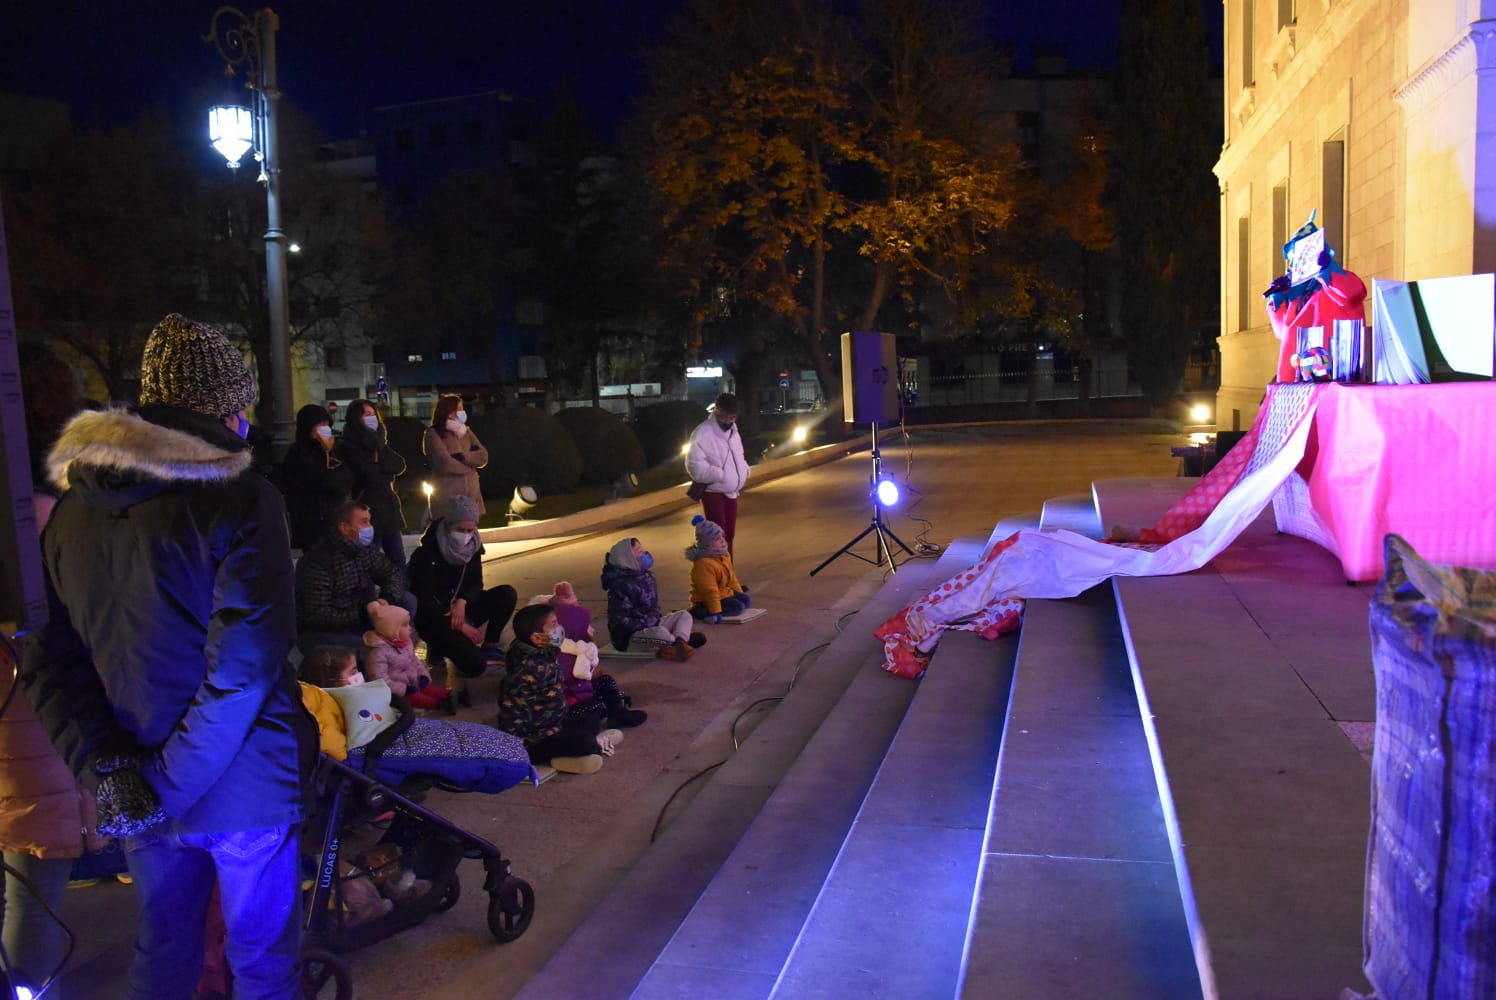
1380 114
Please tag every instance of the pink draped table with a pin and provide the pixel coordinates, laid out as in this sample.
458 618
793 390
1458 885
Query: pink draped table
1417 460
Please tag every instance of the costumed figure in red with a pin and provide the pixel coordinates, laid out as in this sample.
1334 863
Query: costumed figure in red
1318 312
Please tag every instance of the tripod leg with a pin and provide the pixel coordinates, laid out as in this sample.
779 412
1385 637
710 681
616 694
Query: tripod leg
844 550
896 538
885 551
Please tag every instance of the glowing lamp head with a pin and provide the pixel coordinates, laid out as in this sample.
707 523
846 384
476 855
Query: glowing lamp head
685 449
887 492
800 435
231 131
427 489
1199 413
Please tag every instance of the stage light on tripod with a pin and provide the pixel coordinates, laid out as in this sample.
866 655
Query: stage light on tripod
887 492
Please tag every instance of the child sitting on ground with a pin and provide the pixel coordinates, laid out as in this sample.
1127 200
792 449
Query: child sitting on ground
532 699
391 658
635 623
589 691
716 591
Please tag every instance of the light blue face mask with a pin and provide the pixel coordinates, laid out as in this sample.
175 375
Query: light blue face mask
646 560
557 636
243 427
366 535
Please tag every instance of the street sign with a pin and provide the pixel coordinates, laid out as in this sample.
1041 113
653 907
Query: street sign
784 383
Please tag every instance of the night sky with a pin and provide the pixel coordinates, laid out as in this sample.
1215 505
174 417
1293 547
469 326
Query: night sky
338 59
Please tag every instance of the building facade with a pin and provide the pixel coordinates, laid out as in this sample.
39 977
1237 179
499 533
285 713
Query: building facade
1378 114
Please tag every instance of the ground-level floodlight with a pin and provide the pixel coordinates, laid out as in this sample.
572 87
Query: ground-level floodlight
522 502
626 485
800 435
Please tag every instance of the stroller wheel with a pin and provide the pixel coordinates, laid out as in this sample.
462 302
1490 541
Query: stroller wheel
324 976
510 908
449 898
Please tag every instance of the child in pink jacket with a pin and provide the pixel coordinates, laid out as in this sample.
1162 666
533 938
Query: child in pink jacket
390 656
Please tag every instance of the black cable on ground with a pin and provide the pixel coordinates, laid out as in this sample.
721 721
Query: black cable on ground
733 729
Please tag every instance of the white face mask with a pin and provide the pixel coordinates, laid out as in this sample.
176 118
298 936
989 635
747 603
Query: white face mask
354 679
462 537
460 416
324 432
371 422
457 427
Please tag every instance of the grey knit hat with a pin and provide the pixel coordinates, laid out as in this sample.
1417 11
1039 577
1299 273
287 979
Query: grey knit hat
461 508
192 365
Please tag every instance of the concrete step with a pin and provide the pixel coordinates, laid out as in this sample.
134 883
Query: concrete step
832 727
891 917
1076 512
1078 893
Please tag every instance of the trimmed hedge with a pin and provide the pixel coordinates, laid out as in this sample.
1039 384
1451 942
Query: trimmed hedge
608 446
526 446
664 427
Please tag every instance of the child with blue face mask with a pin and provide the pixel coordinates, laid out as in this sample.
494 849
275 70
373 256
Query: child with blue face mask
635 622
532 699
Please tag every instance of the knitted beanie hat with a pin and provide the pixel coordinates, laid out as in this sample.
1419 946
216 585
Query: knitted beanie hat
564 594
710 541
461 508
387 618
192 365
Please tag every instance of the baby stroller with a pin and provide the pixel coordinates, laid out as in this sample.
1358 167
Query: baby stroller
388 776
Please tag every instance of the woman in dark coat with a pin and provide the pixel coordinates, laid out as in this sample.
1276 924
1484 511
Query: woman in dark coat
312 478
446 575
365 449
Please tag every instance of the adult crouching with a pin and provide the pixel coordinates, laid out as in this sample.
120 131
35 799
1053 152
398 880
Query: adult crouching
460 619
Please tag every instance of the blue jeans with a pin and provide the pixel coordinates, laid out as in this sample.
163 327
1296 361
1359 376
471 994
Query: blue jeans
260 889
33 940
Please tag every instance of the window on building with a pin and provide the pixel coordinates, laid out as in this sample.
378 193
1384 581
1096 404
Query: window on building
1248 43
449 355
1332 196
1243 273
1280 228
472 133
404 140
334 357
1287 14
414 359
437 136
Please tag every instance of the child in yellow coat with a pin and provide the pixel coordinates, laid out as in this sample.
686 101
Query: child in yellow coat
716 590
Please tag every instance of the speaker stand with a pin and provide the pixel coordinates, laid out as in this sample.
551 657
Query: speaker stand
881 533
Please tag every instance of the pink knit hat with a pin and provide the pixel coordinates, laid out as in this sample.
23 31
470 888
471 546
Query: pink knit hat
564 594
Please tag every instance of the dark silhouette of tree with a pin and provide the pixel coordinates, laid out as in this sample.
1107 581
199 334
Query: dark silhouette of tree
822 167
1167 198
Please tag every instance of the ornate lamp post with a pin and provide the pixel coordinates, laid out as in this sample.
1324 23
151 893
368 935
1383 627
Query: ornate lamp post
234 131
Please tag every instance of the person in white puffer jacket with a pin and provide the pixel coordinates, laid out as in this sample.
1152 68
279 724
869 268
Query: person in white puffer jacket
715 463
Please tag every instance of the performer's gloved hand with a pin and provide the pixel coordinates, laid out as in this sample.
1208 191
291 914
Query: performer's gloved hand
127 804
1325 257
1278 287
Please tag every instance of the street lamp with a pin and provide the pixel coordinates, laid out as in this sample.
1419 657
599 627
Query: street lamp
234 131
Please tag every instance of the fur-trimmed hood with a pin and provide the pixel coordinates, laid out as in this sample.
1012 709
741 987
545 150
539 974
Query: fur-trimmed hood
174 446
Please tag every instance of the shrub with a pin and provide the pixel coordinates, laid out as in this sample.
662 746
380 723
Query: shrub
608 446
664 427
525 446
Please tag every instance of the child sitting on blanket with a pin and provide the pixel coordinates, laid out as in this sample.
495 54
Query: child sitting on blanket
635 623
532 699
391 657
589 691
716 591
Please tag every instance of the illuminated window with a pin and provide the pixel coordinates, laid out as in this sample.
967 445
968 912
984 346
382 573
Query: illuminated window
449 355
1248 60
414 358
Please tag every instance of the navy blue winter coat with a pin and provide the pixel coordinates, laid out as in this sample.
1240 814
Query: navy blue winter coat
170 589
